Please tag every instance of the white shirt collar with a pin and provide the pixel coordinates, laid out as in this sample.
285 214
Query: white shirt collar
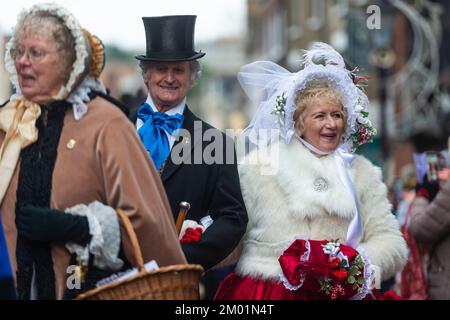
177 109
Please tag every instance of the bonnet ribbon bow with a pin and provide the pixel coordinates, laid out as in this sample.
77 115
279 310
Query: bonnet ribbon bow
18 120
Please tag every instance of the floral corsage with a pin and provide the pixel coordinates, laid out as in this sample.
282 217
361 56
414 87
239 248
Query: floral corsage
326 269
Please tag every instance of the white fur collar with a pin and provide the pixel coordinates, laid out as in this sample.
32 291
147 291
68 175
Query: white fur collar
298 170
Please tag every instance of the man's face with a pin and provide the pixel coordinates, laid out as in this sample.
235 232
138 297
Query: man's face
168 83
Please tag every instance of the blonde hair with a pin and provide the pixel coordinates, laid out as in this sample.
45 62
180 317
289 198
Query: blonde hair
46 25
313 92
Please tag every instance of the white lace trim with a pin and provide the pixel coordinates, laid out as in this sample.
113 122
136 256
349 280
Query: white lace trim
369 271
80 45
369 276
303 257
105 232
79 96
339 80
265 82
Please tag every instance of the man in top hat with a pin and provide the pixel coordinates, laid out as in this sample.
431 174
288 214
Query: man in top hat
173 136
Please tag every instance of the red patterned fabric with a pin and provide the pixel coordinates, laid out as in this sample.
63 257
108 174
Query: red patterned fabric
413 283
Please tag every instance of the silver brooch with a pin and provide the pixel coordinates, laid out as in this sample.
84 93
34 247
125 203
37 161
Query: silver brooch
320 185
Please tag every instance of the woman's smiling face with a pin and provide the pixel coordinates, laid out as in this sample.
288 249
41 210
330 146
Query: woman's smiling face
323 124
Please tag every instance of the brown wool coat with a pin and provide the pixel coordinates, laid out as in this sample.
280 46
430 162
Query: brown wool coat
107 164
430 224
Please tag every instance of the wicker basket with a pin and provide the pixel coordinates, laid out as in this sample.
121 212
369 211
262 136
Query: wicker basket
175 282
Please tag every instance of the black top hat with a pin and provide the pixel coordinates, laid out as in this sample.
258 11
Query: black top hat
170 38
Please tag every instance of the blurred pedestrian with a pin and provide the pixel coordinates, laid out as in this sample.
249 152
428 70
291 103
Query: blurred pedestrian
430 221
68 158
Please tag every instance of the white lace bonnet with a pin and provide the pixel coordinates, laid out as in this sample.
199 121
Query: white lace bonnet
86 69
274 90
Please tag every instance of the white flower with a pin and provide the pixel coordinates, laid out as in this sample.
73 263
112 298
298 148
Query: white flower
331 248
358 108
364 121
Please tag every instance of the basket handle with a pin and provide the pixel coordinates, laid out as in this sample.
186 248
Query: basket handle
133 238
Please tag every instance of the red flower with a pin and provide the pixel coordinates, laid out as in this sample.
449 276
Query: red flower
334 262
192 235
340 275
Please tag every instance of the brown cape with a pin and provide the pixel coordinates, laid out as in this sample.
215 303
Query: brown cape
109 164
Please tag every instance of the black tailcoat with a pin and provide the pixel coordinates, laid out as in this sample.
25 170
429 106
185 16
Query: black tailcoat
210 188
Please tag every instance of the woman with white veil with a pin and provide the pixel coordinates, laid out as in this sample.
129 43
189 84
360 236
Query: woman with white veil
320 224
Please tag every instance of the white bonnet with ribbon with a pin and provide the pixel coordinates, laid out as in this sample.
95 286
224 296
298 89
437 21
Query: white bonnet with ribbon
274 90
81 80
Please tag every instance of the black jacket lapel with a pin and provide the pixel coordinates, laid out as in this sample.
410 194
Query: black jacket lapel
194 138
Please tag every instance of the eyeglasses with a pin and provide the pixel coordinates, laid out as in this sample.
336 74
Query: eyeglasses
34 55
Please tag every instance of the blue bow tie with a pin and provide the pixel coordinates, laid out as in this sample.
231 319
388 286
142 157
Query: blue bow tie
153 132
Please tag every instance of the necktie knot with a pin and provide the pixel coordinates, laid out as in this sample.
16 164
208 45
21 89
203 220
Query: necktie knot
159 119
153 131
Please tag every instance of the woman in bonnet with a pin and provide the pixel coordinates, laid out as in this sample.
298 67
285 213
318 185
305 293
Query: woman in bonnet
65 165
320 224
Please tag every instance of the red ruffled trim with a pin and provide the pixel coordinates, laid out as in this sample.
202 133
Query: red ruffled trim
318 265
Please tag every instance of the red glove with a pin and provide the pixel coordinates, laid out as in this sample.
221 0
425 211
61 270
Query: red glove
192 235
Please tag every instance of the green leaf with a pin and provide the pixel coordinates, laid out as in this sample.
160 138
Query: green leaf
351 279
353 270
361 280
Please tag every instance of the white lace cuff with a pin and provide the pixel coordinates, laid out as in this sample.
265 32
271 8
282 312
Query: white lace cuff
371 273
303 257
105 232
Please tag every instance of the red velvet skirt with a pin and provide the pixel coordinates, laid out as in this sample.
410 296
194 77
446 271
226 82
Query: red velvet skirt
235 287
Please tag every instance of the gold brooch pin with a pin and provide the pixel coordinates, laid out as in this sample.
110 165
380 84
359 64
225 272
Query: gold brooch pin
71 144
